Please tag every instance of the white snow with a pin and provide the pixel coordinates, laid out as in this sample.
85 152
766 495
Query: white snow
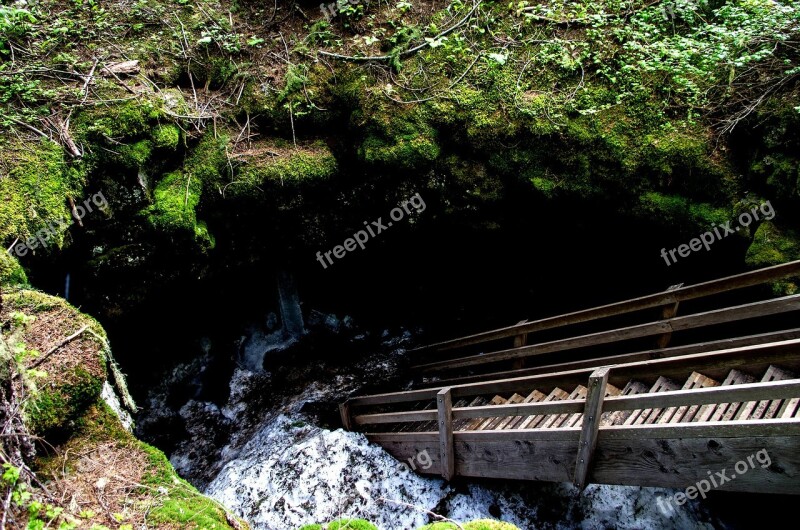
291 474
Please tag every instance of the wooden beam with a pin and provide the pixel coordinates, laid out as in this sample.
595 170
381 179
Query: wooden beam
591 423
570 406
444 403
396 417
738 281
674 351
708 318
394 397
667 312
344 412
701 396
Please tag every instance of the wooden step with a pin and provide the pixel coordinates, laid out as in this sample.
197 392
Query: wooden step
463 425
533 422
645 416
506 421
678 414
564 420
618 417
726 411
533 397
479 424
766 409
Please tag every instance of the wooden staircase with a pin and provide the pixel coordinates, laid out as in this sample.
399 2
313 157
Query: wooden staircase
667 416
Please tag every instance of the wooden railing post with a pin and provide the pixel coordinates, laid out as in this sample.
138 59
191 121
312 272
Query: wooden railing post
444 403
668 311
596 392
347 418
519 341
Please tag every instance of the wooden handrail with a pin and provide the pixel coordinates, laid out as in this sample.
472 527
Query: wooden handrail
708 318
646 355
733 357
700 290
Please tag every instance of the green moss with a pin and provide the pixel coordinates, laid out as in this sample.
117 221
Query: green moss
181 504
773 246
351 524
137 154
121 121
404 142
305 164
35 189
11 272
177 194
55 406
166 136
680 212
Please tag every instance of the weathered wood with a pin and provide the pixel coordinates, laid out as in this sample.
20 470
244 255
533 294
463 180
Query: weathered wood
708 318
738 281
646 355
732 429
702 396
683 462
519 409
444 403
591 423
667 312
344 412
394 397
395 417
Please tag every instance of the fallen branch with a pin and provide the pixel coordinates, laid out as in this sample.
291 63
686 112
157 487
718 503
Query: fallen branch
58 346
421 509
408 52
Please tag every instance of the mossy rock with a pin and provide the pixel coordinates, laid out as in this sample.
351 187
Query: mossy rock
773 246
400 142
178 194
162 500
35 191
166 136
11 272
276 162
136 154
69 380
351 524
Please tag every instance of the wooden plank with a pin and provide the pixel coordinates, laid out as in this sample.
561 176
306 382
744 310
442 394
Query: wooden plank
505 422
667 312
725 359
619 416
646 355
696 380
700 396
532 421
731 429
738 281
708 318
344 413
727 411
444 402
516 460
462 424
395 417
519 341
533 397
576 420
592 339
481 421
591 424
756 410
640 413
394 397
684 462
